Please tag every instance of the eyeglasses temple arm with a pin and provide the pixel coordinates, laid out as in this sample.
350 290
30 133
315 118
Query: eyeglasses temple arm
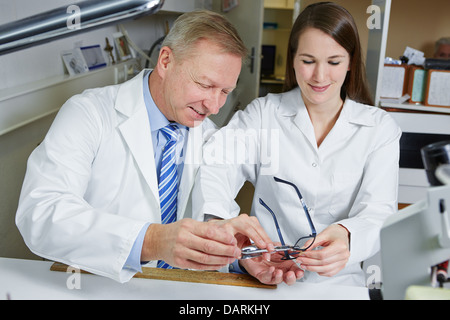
305 208
274 219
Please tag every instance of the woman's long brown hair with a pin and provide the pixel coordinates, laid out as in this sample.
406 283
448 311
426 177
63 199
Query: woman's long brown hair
338 23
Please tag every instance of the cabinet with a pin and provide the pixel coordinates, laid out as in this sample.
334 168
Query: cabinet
419 129
278 20
279 4
375 64
247 17
421 125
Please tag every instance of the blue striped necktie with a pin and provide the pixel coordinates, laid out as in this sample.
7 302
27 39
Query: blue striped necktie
168 181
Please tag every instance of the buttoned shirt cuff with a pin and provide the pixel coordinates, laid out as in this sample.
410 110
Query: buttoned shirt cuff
236 268
208 217
134 259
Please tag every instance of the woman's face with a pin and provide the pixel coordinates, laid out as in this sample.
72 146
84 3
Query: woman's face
321 66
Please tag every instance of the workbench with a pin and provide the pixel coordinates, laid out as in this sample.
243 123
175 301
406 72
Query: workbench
33 280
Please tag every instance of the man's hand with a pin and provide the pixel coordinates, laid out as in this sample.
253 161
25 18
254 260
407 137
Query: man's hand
244 228
190 244
268 269
333 255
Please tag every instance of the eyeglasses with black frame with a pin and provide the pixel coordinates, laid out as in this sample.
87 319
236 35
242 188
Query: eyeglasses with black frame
300 245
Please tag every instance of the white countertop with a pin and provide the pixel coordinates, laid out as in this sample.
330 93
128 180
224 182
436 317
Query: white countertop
33 280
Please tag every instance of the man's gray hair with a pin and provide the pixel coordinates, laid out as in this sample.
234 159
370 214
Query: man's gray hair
203 24
441 41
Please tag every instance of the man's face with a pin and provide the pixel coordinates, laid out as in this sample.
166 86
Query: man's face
443 52
198 86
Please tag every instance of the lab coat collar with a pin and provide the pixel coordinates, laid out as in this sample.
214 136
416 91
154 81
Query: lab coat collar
290 101
292 104
157 119
130 98
357 113
353 115
136 131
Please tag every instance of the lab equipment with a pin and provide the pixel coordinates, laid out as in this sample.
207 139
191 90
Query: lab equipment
434 155
442 273
57 23
443 173
417 239
437 64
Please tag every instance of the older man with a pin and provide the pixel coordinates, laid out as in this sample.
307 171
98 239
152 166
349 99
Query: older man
109 187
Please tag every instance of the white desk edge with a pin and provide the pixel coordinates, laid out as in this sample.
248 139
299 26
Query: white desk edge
33 280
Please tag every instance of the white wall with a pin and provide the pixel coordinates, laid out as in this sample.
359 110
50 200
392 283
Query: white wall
35 64
44 61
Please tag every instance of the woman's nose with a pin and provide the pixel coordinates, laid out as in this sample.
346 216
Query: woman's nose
319 74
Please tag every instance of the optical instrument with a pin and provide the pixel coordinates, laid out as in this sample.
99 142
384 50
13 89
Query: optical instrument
417 239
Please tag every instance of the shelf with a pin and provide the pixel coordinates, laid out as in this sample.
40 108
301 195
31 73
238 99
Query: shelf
30 102
279 8
272 81
414 107
287 30
10 93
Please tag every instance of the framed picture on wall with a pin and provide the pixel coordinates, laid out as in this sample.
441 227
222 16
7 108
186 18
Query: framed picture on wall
74 61
122 47
93 55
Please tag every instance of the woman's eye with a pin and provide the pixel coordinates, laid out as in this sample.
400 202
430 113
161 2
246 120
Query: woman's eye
334 63
308 61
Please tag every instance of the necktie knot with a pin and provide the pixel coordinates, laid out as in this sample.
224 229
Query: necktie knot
170 132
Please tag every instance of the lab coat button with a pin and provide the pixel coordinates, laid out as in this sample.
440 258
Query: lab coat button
314 164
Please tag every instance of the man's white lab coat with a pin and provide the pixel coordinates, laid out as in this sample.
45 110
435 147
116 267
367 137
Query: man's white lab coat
92 185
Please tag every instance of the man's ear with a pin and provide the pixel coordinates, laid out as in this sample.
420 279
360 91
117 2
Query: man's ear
165 58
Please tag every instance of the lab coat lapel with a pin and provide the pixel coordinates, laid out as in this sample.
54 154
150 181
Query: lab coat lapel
192 162
353 115
303 122
136 129
292 105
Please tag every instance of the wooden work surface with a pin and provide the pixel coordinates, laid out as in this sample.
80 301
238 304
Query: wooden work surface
210 277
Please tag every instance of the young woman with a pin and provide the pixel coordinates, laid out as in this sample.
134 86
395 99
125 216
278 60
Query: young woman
323 136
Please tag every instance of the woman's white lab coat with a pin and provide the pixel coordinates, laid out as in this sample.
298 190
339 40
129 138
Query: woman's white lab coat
91 185
351 179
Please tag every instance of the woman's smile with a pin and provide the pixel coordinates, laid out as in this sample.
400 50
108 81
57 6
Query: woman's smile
319 89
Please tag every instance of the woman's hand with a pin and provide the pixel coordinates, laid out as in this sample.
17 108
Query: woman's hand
274 271
334 254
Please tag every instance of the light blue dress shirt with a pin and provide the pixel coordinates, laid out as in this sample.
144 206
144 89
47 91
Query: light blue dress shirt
157 121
